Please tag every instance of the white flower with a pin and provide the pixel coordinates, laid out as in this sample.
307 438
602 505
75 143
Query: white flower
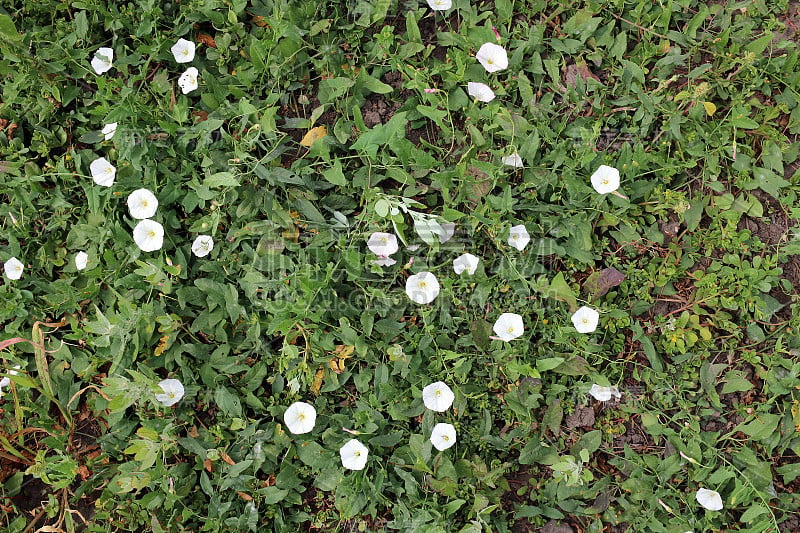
103 60
513 160
202 245
480 91
103 172
173 392
440 5
13 268
300 418
447 232
6 381
148 235
465 263
518 237
142 204
81 260
443 436
493 57
438 396
422 288
382 244
509 326
109 130
585 319
183 51
710 499
604 394
354 455
605 179
188 80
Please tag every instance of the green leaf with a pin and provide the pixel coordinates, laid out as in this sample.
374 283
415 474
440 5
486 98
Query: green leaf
377 86
762 427
335 174
708 380
221 179
8 30
735 381
559 289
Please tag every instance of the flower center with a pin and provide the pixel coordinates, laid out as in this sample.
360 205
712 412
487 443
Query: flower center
422 284
605 181
438 392
151 234
357 454
511 329
301 416
445 437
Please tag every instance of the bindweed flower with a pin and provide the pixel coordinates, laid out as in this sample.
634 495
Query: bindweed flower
443 436
382 244
605 179
188 80
103 60
384 261
448 229
202 245
604 394
509 326
148 235
518 237
354 455
422 288
438 396
493 57
440 5
81 260
6 381
13 268
513 160
466 263
183 51
480 91
300 418
103 172
173 392
109 130
585 319
142 204
709 499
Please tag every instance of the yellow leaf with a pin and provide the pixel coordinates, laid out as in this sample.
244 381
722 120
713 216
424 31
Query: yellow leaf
313 135
710 108
796 415
318 381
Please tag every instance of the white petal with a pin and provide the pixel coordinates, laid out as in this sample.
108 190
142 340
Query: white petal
440 5
465 263
81 260
448 229
384 261
173 392
188 80
103 172
585 319
509 326
493 57
183 51
148 235
354 455
109 130
103 60
480 91
518 237
438 396
142 204
605 179
202 245
443 436
300 418
513 160
710 499
382 244
13 268
604 394
422 288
